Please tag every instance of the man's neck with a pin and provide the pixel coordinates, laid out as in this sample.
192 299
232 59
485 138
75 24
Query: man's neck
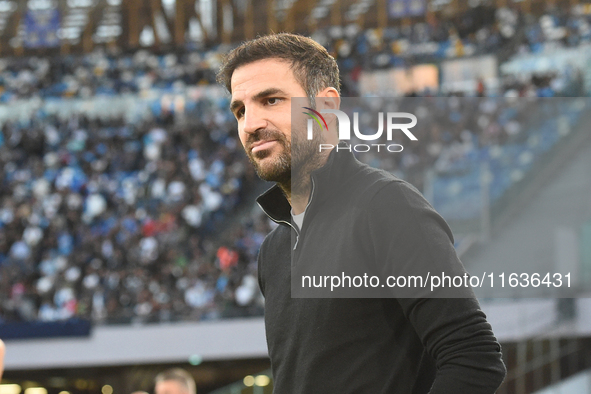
299 188
299 200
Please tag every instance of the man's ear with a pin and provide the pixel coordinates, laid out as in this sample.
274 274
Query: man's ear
328 98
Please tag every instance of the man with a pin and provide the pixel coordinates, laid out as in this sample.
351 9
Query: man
345 345
175 381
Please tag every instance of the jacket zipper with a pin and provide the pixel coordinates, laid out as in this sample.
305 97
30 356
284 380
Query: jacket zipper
288 223
307 205
283 221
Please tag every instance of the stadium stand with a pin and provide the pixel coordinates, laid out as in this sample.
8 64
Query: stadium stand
111 221
141 213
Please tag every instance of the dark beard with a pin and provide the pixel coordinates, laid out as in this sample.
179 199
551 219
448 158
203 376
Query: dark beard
280 170
292 166
306 158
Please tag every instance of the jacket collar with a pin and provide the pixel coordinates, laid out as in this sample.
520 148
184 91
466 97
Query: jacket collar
328 179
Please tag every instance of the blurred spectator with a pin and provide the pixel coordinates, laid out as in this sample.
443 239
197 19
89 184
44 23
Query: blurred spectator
175 381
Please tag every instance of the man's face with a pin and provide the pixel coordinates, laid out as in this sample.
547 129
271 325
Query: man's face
170 387
261 103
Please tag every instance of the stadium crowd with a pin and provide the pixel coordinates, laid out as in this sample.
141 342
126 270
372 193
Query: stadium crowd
119 222
455 127
101 73
112 220
477 31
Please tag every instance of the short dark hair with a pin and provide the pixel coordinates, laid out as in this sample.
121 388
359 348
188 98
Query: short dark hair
178 375
312 65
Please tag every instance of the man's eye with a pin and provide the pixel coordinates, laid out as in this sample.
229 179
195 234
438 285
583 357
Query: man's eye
273 100
239 113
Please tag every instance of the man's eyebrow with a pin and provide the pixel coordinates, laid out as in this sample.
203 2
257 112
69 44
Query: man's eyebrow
269 92
265 93
235 105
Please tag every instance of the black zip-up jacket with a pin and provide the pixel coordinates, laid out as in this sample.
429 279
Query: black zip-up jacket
369 345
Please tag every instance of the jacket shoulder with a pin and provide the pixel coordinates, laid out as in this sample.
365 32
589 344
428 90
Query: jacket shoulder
278 241
374 181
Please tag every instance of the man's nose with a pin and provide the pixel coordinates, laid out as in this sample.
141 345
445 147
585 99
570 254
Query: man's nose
253 120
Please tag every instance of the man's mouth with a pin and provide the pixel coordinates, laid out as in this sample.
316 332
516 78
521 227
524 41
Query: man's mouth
262 145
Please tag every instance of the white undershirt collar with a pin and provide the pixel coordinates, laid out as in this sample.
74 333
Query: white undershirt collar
298 219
